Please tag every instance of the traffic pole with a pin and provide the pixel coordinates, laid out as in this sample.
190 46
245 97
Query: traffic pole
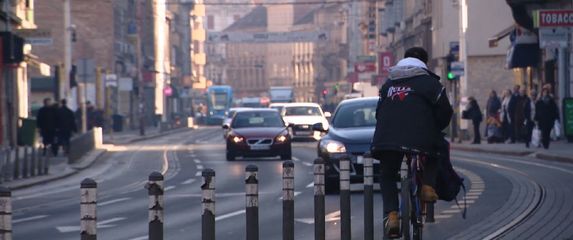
288 200
88 204
208 203
16 163
25 163
368 198
345 227
33 162
252 202
319 208
155 192
46 164
5 213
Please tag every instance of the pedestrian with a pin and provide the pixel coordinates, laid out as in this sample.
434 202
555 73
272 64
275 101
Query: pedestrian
46 122
66 126
506 116
474 114
528 123
492 109
515 114
546 113
90 116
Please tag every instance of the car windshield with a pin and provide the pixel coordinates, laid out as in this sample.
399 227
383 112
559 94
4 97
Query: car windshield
302 111
352 115
278 108
257 119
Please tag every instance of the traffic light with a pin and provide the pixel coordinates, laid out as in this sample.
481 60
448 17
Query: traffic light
449 73
324 93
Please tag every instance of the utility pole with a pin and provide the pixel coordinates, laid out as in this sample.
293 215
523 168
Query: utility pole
65 86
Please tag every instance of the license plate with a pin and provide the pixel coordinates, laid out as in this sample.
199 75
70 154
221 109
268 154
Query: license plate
303 133
260 147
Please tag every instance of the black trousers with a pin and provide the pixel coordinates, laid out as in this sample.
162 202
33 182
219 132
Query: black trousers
477 136
546 137
390 163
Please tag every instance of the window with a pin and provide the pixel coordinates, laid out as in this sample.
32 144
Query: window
210 22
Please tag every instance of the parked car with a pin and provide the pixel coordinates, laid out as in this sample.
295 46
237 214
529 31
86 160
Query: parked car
258 133
303 116
349 135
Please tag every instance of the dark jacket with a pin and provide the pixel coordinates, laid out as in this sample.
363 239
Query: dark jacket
546 112
474 112
493 106
412 111
46 119
66 120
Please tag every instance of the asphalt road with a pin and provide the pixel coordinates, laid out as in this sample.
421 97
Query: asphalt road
507 197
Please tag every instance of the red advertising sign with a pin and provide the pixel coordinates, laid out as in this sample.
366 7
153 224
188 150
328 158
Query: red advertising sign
385 61
363 67
555 18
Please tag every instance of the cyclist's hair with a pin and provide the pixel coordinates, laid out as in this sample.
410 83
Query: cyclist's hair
417 52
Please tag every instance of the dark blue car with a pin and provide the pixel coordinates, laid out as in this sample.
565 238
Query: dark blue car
350 134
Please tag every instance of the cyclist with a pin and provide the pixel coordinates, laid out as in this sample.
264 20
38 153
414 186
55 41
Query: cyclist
412 111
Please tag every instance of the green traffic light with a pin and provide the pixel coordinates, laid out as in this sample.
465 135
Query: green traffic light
451 76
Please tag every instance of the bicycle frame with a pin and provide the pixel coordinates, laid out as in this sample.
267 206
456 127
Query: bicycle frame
411 206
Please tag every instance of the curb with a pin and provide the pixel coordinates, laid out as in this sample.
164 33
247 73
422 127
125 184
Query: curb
74 170
537 155
554 158
148 137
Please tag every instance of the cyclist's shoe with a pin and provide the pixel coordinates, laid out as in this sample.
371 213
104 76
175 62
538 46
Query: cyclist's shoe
429 194
392 225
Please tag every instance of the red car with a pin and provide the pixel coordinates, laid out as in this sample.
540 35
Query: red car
258 133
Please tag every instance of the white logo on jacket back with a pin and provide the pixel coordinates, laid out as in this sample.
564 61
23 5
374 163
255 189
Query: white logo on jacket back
399 91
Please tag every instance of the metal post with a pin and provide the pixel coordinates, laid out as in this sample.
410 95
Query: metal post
16 163
252 197
345 227
155 191
46 164
368 198
319 209
5 214
208 202
25 163
33 162
288 200
8 165
88 204
40 164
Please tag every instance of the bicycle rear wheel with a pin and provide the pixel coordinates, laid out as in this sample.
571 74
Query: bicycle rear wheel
405 208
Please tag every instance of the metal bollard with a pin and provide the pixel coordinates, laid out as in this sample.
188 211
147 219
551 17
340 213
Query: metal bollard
252 202
33 162
8 165
288 200
155 191
345 227
5 214
430 212
319 208
46 164
368 198
25 162
88 204
208 203
16 163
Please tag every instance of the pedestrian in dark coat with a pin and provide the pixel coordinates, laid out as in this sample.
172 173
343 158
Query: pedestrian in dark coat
66 126
528 123
546 112
46 122
492 108
516 116
505 115
475 115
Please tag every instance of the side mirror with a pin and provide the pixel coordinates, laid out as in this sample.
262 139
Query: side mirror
318 127
225 126
327 114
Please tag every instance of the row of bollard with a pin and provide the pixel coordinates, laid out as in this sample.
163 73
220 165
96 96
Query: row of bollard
22 162
155 188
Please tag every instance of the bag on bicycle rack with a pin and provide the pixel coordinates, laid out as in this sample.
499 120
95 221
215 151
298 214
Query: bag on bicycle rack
448 183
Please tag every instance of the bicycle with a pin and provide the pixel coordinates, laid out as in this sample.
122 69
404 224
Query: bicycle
412 208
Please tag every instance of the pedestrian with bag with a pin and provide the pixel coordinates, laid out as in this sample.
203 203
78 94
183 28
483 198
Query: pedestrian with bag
528 124
46 122
492 109
546 113
66 126
474 114
515 113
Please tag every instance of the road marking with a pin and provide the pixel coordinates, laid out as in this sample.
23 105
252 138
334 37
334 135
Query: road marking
196 160
310 185
165 165
229 215
452 211
219 195
188 181
169 188
199 167
331 217
101 224
295 159
198 174
474 193
21 220
295 194
307 164
140 238
475 190
101 204
442 216
471 197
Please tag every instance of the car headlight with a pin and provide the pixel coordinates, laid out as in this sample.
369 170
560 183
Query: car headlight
281 138
332 146
237 139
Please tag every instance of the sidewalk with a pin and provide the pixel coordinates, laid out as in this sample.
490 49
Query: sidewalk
558 151
59 168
